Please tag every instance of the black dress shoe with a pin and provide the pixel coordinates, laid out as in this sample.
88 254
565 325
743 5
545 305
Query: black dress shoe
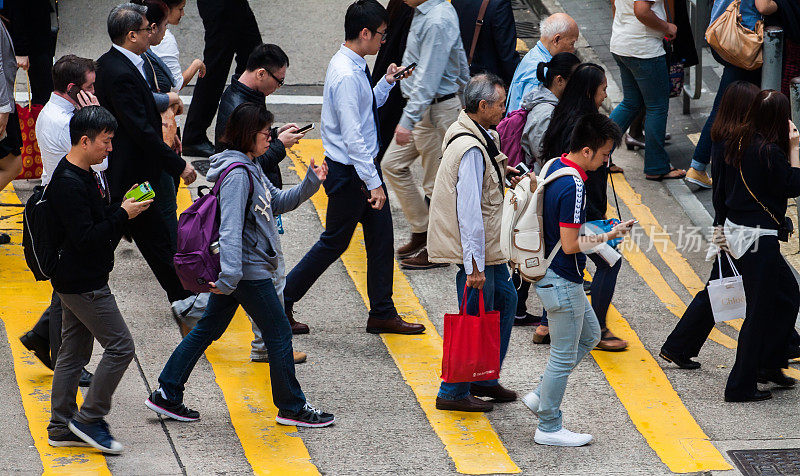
497 393
203 149
86 378
792 352
469 404
528 320
775 376
758 396
39 346
682 362
5 238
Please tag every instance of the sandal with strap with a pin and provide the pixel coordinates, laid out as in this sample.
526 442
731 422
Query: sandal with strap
610 342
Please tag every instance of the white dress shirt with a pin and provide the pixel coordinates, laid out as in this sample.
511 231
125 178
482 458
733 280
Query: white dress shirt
468 209
137 60
348 130
167 50
52 134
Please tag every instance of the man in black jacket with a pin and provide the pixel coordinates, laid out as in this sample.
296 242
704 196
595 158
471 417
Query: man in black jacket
265 73
496 50
89 228
33 25
140 153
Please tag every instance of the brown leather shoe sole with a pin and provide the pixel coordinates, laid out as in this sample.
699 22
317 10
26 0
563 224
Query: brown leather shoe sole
612 345
299 328
469 404
385 330
406 264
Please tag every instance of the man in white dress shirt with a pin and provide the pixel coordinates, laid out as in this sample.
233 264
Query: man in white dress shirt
71 75
355 189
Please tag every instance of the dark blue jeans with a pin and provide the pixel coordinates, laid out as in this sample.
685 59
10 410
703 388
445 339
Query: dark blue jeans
499 294
730 74
260 301
645 84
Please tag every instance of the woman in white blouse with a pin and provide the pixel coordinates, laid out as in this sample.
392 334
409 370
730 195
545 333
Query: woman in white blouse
168 49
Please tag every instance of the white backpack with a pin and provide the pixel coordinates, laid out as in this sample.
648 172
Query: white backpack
522 229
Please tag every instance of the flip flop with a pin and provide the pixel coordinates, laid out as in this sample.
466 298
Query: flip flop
666 176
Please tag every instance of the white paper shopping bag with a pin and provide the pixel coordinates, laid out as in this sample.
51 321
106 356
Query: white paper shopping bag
727 294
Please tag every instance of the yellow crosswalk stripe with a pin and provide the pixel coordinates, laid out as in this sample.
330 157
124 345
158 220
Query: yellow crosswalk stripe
21 301
469 438
271 449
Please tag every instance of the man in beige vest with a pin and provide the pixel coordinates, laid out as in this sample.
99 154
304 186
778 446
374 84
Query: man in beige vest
464 226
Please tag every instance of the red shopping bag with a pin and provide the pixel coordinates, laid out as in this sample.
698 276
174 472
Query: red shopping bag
31 156
471 344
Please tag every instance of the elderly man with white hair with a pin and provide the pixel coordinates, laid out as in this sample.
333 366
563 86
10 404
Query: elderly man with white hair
559 32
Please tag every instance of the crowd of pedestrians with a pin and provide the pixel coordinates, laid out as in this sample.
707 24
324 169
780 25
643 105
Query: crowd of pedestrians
447 78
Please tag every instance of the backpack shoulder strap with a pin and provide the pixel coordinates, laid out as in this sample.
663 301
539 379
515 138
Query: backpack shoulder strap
218 184
461 134
494 164
562 172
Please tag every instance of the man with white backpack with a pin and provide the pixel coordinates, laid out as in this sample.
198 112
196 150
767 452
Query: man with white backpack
574 329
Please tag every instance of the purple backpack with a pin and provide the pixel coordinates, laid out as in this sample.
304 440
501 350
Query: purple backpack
510 131
197 258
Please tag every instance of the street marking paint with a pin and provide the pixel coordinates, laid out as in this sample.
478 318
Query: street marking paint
21 301
663 243
270 448
521 46
654 406
694 138
469 438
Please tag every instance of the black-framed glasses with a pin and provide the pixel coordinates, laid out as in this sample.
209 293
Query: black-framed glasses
279 81
149 28
383 34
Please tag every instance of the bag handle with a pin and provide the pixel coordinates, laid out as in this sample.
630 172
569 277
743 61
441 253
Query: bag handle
481 306
730 262
478 25
28 87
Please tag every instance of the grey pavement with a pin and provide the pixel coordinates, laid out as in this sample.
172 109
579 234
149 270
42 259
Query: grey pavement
381 428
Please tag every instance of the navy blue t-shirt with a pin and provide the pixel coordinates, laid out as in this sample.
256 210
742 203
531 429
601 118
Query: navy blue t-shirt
564 205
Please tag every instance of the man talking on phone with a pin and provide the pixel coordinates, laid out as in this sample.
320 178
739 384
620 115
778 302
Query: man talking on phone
355 189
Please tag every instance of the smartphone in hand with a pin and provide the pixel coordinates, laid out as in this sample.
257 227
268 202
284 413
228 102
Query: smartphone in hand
305 128
399 74
522 169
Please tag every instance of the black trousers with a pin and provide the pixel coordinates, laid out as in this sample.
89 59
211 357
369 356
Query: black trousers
150 233
347 207
48 326
40 74
230 30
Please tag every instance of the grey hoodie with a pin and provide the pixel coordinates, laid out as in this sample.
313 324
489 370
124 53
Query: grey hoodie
540 104
250 247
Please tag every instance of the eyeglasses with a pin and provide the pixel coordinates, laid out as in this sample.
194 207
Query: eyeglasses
150 28
279 81
383 34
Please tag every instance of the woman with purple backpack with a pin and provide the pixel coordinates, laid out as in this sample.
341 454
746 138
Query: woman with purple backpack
251 262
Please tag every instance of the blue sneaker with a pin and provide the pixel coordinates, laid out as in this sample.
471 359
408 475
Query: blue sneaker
65 440
97 435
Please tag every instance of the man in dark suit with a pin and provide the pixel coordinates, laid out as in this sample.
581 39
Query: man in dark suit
139 153
33 25
230 29
496 50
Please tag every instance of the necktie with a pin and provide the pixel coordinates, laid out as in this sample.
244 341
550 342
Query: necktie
374 108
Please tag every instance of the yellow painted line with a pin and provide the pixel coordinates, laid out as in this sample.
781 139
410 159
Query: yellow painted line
663 243
654 406
521 46
271 449
695 138
469 438
21 302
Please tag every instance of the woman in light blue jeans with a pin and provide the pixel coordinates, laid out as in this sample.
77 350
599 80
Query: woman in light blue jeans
574 331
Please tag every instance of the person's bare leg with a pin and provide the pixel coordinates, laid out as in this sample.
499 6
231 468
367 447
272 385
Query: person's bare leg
10 168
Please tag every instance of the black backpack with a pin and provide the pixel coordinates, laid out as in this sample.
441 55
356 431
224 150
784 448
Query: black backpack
40 242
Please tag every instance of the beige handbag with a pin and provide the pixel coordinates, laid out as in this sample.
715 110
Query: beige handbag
736 44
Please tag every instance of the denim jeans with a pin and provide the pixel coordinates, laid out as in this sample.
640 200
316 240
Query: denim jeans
574 331
260 301
499 294
645 83
730 74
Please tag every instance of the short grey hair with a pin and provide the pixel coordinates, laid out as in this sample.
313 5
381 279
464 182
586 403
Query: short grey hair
124 18
554 25
481 87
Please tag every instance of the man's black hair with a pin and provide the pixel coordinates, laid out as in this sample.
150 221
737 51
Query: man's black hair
90 121
362 14
593 130
270 57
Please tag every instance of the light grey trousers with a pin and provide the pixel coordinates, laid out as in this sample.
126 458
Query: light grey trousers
85 317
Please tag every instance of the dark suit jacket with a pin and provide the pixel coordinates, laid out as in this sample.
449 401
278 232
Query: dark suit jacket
29 26
496 51
139 151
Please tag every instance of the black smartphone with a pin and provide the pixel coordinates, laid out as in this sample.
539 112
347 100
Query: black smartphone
73 92
522 169
304 128
400 73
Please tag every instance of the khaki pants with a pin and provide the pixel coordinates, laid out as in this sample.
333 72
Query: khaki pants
426 142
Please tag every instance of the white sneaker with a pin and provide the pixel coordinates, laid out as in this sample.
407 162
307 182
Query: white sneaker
531 401
562 437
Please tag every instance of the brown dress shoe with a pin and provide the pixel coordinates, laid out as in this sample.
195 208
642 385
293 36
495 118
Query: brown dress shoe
297 327
299 357
469 404
420 262
610 342
497 393
394 325
417 242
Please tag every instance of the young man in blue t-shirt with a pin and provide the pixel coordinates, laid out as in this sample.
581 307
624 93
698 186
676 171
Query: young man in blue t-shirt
574 329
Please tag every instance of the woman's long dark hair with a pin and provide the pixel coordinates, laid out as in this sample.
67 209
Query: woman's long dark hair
577 100
733 109
768 118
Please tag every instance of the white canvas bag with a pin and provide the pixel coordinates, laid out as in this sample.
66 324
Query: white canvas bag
727 294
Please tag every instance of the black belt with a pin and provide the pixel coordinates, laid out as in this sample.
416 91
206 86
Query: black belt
443 98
